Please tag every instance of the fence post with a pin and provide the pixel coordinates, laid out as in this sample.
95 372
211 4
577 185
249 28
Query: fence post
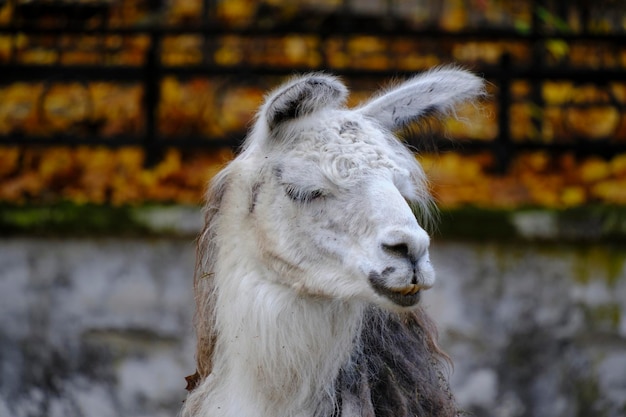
151 97
502 146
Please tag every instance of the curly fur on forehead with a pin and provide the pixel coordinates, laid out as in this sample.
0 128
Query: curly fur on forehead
311 263
359 145
347 146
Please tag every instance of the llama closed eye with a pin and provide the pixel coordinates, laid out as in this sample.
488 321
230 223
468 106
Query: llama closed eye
302 195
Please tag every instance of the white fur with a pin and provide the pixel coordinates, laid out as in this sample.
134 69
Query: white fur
314 206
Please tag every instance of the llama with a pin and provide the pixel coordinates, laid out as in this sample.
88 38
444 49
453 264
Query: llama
312 260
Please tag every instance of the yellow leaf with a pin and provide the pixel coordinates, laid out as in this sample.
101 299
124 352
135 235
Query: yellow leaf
573 196
593 170
558 48
618 165
611 191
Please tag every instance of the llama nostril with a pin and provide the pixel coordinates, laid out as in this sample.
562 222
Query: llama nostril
398 249
404 243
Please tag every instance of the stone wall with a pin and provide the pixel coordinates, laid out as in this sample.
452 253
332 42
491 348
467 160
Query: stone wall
102 327
94 328
534 330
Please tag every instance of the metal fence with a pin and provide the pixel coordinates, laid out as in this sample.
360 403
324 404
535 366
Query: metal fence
536 68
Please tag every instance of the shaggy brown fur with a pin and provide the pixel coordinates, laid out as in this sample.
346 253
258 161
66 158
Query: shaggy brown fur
399 370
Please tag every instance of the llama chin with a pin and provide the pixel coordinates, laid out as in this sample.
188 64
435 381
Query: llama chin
311 263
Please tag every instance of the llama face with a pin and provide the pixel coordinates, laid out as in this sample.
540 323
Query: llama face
331 214
329 190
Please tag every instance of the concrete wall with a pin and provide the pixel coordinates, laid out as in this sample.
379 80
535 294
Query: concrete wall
534 330
94 328
102 327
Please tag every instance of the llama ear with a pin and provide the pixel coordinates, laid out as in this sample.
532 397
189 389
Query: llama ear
303 96
435 92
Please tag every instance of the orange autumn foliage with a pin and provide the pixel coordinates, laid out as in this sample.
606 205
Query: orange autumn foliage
118 177
222 106
104 176
534 179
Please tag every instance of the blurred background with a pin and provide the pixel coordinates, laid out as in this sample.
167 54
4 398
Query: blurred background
115 114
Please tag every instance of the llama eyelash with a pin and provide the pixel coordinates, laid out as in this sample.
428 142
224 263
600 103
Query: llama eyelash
297 193
303 196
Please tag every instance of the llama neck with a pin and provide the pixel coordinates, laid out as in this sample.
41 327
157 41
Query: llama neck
278 353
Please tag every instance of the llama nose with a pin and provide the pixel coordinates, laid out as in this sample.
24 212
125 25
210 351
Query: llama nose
411 245
397 249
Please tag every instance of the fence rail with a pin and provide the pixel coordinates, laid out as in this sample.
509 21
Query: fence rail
152 71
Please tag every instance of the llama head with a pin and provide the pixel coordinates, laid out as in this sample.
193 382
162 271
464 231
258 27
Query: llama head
323 198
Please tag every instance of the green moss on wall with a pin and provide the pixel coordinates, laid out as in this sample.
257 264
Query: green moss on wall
588 398
606 262
476 224
69 219
604 316
606 224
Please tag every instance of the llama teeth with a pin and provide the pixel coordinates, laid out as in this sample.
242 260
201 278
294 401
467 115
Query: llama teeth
412 289
408 290
401 291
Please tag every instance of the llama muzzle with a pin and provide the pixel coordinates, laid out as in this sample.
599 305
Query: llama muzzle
406 296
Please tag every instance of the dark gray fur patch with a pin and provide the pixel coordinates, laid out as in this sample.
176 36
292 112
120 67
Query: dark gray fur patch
396 370
254 196
300 99
278 172
430 111
427 112
289 111
349 126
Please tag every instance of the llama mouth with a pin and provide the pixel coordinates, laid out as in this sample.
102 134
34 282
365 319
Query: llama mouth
403 296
